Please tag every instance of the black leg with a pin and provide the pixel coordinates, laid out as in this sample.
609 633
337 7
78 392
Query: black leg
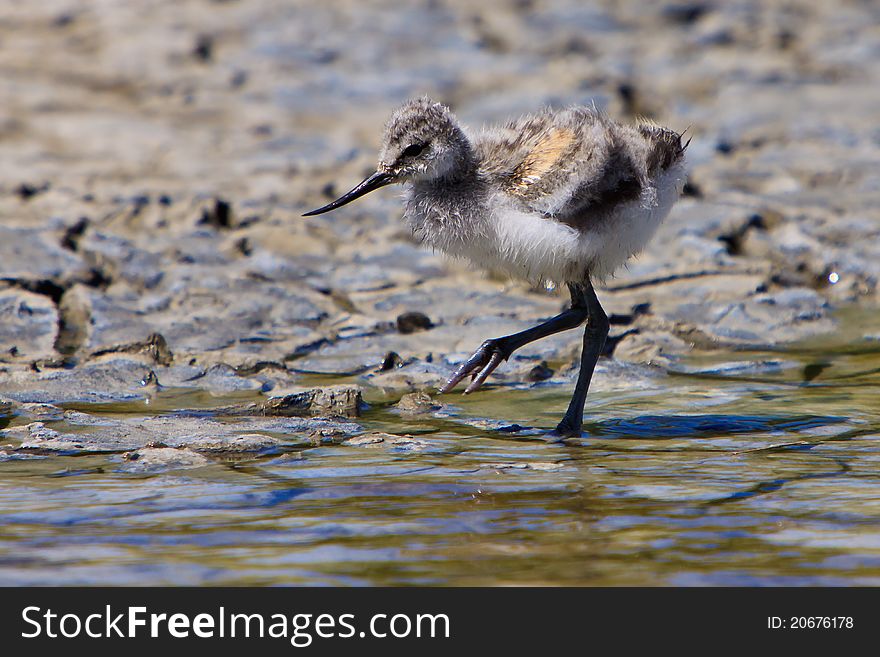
594 341
493 352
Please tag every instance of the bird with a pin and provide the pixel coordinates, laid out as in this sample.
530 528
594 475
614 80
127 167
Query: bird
560 197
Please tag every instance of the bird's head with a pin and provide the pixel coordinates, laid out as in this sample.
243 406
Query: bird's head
422 142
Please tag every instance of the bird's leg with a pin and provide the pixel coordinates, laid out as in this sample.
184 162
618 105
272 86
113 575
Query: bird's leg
594 341
493 352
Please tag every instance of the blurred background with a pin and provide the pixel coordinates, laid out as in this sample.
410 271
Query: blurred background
155 158
272 100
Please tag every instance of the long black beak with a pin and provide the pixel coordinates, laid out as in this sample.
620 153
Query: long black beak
375 181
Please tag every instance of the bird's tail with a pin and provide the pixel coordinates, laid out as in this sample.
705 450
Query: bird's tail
666 147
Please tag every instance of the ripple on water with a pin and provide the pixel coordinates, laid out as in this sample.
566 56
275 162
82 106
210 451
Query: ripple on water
776 485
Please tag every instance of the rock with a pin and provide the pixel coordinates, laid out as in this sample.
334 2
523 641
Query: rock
341 400
417 403
36 436
411 322
346 401
541 466
366 440
152 460
40 412
247 442
539 372
6 456
405 443
298 427
391 361
202 434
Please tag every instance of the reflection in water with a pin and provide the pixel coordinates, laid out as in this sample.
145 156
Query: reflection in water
707 478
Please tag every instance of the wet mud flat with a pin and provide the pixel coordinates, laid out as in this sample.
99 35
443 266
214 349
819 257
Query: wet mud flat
199 386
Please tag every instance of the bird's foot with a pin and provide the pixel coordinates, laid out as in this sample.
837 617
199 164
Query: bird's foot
561 432
479 366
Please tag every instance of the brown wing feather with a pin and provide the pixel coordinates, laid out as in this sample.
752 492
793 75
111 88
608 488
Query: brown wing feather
541 159
601 163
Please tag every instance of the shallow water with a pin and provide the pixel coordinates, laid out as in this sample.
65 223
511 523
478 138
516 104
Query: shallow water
739 469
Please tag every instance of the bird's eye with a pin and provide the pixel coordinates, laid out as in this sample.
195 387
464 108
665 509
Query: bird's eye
413 149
